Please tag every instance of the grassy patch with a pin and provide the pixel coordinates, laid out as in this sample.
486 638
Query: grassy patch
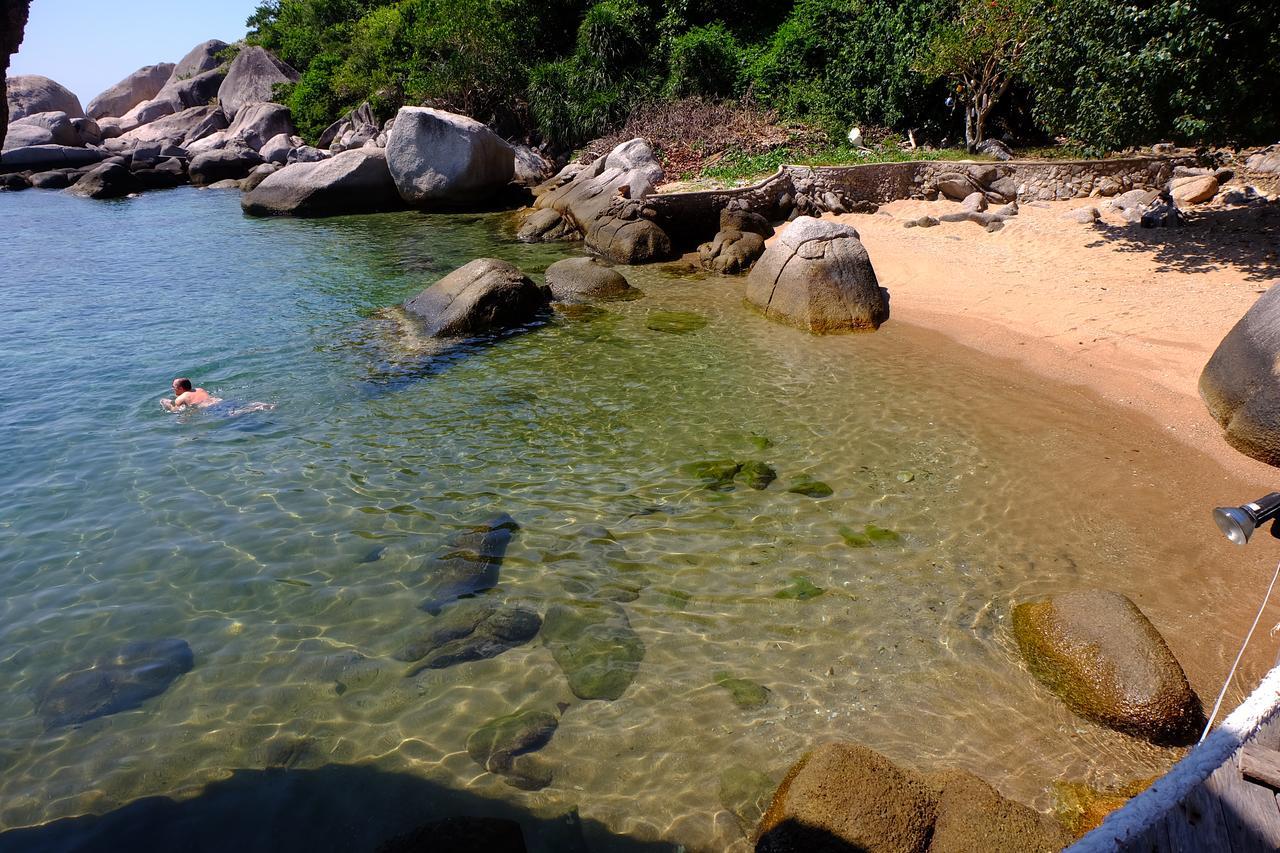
735 166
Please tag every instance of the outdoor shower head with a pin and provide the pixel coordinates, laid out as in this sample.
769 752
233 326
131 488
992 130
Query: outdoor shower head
1237 523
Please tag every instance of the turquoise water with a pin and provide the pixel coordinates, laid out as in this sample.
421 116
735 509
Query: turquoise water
286 547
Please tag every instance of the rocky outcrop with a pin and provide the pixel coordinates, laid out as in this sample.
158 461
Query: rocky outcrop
118 681
277 148
28 94
351 182
442 158
181 128
142 85
484 296
210 167
108 180
253 126
206 56
251 79
53 128
817 276
531 168
15 22
576 279
844 796
351 131
176 96
731 252
42 157
1241 382
1097 651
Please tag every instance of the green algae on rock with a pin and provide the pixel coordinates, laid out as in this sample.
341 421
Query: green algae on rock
1097 651
675 322
758 475
718 474
495 745
870 536
801 589
746 694
810 488
746 792
595 646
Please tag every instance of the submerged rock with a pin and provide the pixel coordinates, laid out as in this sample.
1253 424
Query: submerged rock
842 797
675 322
470 630
587 278
757 475
869 536
801 589
486 295
746 694
468 564
595 646
503 744
119 681
746 792
717 474
810 488
1099 653
817 276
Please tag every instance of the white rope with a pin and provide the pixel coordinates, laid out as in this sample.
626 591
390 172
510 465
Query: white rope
1230 675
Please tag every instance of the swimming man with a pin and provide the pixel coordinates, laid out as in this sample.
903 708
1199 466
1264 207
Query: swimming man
197 398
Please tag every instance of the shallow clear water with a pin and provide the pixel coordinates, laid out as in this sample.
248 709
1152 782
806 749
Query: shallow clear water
250 537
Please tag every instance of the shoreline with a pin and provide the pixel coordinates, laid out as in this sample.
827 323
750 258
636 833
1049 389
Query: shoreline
1074 303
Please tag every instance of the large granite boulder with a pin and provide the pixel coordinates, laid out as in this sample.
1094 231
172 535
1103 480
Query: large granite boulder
731 252
277 148
442 158
28 94
209 167
24 135
1097 651
205 56
971 815
842 797
58 125
251 79
118 681
253 126
486 295
1241 382
106 180
576 279
531 168
39 158
142 85
181 128
817 276
351 131
351 182
176 96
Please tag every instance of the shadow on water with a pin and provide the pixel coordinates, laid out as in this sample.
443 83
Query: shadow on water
1243 237
353 808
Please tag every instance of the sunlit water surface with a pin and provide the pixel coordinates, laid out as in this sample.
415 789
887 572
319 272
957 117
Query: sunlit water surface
251 537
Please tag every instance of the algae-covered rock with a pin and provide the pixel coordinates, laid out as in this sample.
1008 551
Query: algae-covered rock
473 629
1081 808
1099 653
810 488
717 474
870 536
496 745
594 644
746 694
675 322
971 815
801 589
120 680
757 475
746 792
673 599
842 797
468 563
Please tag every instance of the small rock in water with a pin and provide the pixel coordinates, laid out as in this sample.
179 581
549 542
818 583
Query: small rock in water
674 599
119 681
495 745
468 564
593 642
746 793
373 556
810 488
717 474
675 322
801 589
870 535
904 476
746 694
758 475
286 752
761 442
470 630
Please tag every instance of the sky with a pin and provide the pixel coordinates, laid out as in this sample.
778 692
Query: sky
88 45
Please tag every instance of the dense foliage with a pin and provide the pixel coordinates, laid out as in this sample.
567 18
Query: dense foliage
1105 73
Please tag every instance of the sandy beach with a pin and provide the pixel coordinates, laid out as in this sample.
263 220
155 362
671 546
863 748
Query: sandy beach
1131 314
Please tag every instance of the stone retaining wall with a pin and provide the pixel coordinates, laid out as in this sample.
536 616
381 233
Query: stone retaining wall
693 217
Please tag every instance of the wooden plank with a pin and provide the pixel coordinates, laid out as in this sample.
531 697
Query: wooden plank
1260 765
1195 825
1248 811
1268 734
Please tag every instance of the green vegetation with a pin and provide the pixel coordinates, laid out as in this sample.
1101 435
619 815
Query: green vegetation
1104 74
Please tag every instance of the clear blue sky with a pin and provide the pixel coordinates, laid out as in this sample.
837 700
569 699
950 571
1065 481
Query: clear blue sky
87 45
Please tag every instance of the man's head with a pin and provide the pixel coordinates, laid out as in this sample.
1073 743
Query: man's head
181 385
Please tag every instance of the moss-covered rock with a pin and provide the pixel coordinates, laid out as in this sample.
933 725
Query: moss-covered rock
810 488
842 797
1081 808
675 322
757 475
870 536
746 694
971 816
472 629
801 589
496 743
594 644
746 792
717 474
1099 653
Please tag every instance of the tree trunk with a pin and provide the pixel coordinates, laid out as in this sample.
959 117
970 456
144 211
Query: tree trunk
971 126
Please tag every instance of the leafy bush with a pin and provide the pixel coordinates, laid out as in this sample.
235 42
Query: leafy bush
704 61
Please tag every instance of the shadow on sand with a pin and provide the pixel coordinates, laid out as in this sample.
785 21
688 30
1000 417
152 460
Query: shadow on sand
1242 237
354 808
